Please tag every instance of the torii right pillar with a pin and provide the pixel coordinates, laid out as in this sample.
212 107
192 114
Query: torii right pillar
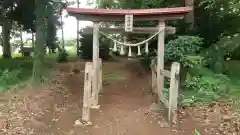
160 60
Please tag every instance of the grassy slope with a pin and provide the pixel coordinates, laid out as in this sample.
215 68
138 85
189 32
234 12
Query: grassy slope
234 69
18 70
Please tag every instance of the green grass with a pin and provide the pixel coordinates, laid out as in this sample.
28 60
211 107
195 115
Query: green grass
234 74
204 86
17 70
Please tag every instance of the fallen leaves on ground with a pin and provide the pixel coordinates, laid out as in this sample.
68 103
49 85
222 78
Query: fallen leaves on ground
220 119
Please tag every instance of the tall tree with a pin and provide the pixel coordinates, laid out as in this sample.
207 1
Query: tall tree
6 29
44 16
38 66
78 46
62 31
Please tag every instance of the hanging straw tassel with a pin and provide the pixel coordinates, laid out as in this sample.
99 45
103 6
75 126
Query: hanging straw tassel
122 50
146 48
115 46
139 50
122 47
129 51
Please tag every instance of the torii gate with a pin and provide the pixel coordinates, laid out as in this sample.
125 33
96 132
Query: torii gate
114 15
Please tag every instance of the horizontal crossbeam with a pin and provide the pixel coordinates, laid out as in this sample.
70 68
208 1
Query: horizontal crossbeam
138 30
112 18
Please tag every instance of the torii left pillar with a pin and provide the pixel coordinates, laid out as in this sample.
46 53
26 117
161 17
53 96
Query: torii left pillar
160 60
95 60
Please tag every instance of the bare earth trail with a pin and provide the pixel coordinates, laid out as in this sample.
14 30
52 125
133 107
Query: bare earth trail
124 106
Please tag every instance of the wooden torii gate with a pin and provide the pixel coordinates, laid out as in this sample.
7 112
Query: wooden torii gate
114 15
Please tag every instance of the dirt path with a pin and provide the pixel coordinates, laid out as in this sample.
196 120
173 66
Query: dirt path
124 107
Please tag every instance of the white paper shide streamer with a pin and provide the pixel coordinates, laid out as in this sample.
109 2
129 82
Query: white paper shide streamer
122 50
139 50
129 51
146 48
115 46
124 43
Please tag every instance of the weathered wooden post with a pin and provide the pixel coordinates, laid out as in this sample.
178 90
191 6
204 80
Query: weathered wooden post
95 65
87 92
173 92
154 79
160 60
100 85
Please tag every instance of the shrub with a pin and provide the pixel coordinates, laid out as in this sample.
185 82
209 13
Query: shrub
104 51
62 55
204 88
146 59
9 78
16 63
183 49
179 49
215 59
86 48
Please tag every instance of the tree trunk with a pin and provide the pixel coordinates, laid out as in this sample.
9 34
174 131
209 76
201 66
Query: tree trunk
21 40
78 46
1 38
189 18
63 44
6 28
21 37
33 42
38 65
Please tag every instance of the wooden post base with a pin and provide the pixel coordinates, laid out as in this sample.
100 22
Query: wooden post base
81 123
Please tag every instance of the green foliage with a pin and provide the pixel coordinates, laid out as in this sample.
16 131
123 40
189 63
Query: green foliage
146 59
86 47
24 11
13 72
182 49
204 87
9 78
15 63
227 47
213 18
62 55
193 61
214 58
51 36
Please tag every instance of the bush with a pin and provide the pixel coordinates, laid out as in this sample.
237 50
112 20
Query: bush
9 78
146 59
86 48
179 49
204 88
104 51
16 63
62 55
215 59
183 49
